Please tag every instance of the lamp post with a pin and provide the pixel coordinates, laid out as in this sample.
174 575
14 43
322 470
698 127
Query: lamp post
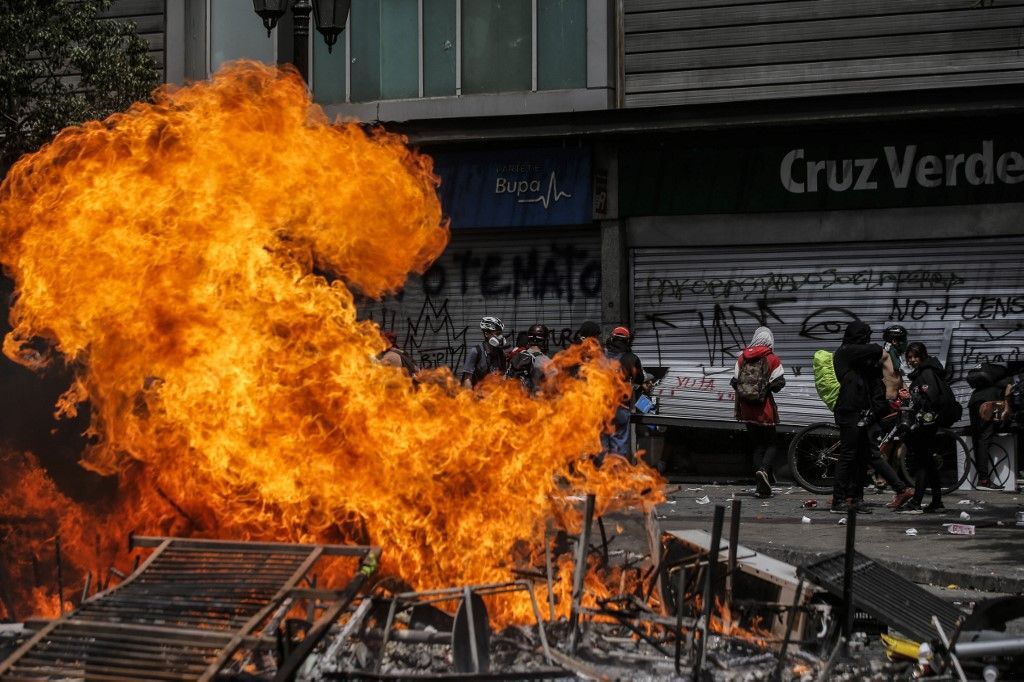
330 16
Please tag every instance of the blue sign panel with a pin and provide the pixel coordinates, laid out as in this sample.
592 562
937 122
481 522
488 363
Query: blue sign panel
516 188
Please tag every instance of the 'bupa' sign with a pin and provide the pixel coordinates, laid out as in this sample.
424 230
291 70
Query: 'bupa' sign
516 188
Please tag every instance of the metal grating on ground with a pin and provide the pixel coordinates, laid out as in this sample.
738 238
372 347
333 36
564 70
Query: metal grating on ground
182 615
884 595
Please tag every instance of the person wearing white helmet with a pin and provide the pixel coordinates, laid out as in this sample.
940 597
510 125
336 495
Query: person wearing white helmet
488 356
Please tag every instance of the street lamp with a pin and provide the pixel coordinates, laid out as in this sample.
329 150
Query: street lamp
330 18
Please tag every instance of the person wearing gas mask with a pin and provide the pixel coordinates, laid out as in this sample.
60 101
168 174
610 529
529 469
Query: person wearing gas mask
488 356
532 366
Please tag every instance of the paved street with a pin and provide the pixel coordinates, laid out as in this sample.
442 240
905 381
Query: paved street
992 560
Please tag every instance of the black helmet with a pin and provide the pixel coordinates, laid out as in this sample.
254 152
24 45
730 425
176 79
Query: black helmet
895 334
537 335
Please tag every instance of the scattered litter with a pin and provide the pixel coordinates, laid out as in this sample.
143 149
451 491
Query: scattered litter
911 531
670 501
964 502
965 516
842 521
661 516
952 586
704 500
764 504
805 519
961 529
810 504
977 508
693 490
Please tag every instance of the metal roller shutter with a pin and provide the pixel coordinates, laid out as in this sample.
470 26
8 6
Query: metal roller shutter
520 276
696 308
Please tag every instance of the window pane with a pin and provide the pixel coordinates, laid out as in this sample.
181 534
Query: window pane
438 47
328 69
496 46
365 27
399 49
561 44
236 33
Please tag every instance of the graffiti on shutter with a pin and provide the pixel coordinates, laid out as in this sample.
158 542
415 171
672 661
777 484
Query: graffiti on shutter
696 308
522 277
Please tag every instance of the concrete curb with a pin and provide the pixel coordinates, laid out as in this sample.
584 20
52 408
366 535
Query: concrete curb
929 575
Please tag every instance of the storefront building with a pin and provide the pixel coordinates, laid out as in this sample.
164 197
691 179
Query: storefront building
805 230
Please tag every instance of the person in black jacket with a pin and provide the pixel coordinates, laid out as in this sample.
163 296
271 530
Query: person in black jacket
927 381
858 366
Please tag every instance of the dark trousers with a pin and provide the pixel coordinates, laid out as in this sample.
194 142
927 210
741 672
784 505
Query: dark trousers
764 439
854 454
923 444
983 433
881 465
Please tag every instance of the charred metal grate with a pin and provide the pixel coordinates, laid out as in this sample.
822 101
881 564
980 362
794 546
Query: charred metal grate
182 615
884 595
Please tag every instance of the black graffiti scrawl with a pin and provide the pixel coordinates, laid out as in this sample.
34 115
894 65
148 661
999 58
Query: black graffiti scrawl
436 316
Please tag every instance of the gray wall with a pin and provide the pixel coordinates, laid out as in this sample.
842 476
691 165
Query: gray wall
149 17
701 51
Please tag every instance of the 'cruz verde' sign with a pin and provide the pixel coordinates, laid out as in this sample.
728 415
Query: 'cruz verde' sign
821 172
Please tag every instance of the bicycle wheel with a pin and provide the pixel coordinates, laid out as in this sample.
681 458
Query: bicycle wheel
813 454
957 463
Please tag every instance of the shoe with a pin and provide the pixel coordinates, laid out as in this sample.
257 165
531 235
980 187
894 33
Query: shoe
764 488
901 498
985 483
839 508
860 507
911 508
935 508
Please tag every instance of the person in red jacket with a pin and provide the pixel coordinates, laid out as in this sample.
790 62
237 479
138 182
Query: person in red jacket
758 375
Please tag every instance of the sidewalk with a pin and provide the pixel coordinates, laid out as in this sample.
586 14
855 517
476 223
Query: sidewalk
991 561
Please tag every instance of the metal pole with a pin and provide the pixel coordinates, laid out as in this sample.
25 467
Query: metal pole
548 570
709 588
581 569
60 577
680 598
734 537
851 537
790 621
300 44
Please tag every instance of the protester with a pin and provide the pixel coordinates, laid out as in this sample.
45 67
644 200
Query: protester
989 382
757 376
531 366
934 407
393 356
587 330
488 356
858 366
617 347
893 364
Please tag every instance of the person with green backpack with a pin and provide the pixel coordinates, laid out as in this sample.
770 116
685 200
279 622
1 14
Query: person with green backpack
758 375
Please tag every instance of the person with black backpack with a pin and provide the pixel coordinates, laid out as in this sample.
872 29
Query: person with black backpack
488 356
757 376
861 401
531 365
935 406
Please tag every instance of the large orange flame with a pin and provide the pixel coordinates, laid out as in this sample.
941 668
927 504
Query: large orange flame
180 255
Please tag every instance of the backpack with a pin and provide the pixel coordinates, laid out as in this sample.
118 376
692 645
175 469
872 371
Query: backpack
825 380
752 382
947 408
521 367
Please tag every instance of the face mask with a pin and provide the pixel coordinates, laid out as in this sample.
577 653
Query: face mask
494 341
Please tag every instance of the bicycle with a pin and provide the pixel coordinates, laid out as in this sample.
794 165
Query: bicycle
814 453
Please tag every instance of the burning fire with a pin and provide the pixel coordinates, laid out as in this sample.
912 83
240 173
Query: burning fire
195 260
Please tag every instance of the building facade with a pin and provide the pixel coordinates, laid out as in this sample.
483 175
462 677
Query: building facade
691 168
